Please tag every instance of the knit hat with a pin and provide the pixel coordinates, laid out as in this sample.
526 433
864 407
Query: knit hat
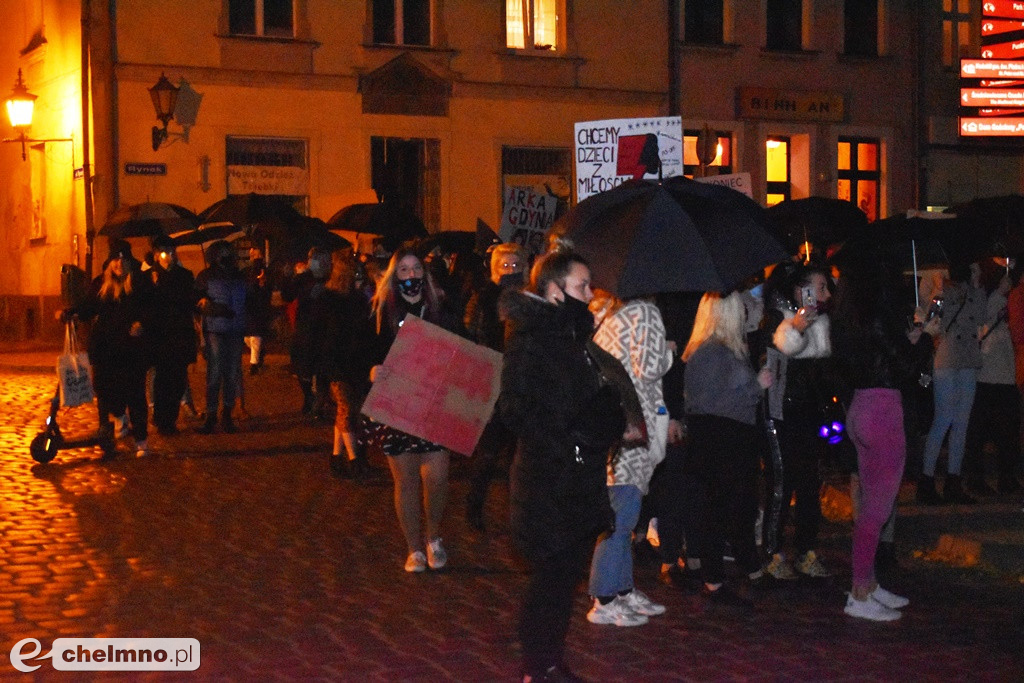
119 249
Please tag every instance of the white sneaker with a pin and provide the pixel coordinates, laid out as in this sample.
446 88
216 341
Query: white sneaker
888 598
436 555
416 562
615 612
641 604
870 609
141 449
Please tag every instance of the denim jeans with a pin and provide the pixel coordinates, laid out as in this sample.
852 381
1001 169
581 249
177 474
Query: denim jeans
611 570
223 370
954 397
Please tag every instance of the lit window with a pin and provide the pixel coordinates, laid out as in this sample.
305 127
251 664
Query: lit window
271 18
777 170
532 24
723 156
956 31
859 177
401 22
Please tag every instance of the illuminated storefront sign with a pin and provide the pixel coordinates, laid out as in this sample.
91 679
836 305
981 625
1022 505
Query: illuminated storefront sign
1000 126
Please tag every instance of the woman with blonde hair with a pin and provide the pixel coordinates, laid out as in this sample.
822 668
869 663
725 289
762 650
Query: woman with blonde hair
419 467
722 393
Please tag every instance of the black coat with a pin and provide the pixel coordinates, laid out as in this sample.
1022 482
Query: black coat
565 419
345 338
171 332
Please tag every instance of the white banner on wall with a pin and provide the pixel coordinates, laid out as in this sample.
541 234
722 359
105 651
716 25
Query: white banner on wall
610 152
737 181
286 180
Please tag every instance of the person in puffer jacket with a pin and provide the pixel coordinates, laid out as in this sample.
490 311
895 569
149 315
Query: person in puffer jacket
221 292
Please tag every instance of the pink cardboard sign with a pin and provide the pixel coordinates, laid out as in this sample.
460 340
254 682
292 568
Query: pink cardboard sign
436 385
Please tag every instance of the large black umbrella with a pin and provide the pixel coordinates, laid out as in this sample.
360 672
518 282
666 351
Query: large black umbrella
252 210
205 233
994 225
150 219
450 242
393 222
909 242
821 221
645 237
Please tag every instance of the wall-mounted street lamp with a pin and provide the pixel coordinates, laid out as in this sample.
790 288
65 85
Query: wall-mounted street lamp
165 98
20 107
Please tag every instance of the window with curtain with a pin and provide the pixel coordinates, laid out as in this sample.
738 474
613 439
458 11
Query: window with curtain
269 18
402 22
859 173
533 24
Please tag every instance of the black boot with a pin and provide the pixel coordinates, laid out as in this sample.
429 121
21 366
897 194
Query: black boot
209 425
953 492
340 466
979 486
1008 484
227 423
926 494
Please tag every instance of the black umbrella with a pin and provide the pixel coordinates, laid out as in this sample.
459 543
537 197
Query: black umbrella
450 242
150 219
252 210
205 233
393 222
994 225
821 221
645 237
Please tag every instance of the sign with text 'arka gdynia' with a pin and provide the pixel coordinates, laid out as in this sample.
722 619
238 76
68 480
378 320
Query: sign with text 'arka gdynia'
992 88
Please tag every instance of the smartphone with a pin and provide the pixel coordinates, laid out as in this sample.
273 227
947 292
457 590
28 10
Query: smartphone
809 300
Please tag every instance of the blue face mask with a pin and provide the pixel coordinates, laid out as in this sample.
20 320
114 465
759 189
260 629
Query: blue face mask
757 291
411 287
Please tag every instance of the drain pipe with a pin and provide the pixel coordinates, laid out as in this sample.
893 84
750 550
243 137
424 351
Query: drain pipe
90 226
673 57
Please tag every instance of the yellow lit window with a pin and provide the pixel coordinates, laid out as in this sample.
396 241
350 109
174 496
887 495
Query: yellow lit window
532 24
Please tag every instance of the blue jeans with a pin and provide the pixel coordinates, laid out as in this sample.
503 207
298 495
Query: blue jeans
223 370
611 571
954 396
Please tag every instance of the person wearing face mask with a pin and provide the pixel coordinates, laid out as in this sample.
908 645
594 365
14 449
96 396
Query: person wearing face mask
419 468
798 325
172 334
565 419
305 288
485 326
221 290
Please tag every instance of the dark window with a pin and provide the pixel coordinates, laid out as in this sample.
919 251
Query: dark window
261 18
860 28
535 161
277 18
401 22
242 17
408 172
785 25
703 22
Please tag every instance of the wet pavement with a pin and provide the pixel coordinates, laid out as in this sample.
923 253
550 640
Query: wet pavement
282 572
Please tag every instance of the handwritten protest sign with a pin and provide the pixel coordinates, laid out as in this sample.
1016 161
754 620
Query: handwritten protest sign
610 152
436 385
737 181
526 216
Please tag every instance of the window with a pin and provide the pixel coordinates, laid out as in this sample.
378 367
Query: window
704 22
777 177
533 24
270 18
956 26
722 161
401 22
784 25
408 172
859 174
275 166
860 28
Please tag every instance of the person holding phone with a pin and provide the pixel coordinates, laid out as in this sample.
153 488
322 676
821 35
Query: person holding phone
798 324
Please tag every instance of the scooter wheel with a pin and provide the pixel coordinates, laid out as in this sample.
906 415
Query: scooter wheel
43 447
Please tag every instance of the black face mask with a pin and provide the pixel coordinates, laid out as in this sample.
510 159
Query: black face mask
577 314
411 287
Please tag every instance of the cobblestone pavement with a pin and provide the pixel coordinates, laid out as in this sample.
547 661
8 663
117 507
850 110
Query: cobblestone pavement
281 572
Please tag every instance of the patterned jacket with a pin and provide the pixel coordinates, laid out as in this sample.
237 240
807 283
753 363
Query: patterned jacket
636 336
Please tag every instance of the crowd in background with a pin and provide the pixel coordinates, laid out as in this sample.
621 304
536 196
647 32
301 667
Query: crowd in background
704 421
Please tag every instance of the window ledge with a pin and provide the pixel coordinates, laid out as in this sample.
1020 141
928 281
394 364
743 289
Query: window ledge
413 48
267 39
37 241
517 53
862 59
794 55
713 48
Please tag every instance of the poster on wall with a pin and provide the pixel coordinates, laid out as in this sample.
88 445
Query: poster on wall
527 213
283 180
610 152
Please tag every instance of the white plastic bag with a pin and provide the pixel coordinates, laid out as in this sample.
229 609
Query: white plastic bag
74 371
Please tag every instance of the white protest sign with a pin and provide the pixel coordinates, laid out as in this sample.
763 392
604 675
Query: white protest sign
526 216
737 181
610 152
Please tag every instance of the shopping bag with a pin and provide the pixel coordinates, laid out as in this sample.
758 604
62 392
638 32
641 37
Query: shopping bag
73 371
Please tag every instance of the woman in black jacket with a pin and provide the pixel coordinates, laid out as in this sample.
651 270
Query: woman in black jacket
565 420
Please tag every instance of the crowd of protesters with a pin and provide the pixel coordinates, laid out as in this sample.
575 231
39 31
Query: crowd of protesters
696 420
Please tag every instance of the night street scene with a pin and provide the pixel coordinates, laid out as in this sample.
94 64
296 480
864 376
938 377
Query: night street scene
564 340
